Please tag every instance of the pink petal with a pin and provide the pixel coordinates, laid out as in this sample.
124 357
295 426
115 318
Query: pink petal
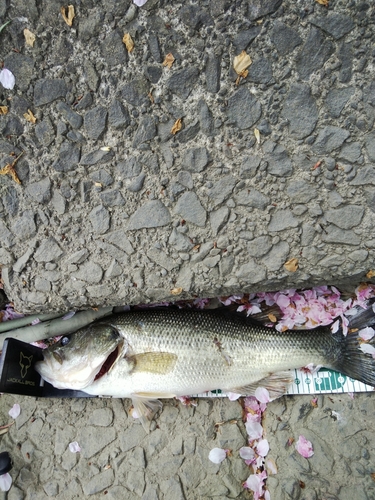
15 410
267 495
247 453
5 482
139 3
68 315
217 455
253 483
263 447
7 79
74 447
262 395
366 333
368 349
304 447
254 430
271 466
35 321
232 396
335 326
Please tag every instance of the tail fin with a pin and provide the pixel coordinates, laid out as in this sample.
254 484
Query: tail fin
352 361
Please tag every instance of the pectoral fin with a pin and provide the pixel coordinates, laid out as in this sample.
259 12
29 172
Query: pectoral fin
276 384
154 362
146 409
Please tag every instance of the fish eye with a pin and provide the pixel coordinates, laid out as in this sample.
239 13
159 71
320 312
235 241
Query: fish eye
65 341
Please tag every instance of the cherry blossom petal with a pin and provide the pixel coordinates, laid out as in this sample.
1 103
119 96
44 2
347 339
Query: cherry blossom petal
7 79
263 447
217 455
68 315
254 430
267 495
139 3
233 396
304 447
5 482
366 333
368 349
253 483
74 447
271 466
262 395
335 326
15 410
247 453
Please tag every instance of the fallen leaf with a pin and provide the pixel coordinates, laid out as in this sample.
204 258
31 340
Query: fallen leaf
372 476
29 37
257 135
10 170
241 63
4 110
29 116
151 97
291 265
370 274
176 291
323 2
272 317
176 126
169 60
68 14
128 41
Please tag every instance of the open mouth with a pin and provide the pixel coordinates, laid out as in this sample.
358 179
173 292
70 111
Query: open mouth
109 362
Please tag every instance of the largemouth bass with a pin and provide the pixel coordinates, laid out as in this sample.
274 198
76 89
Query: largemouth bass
163 353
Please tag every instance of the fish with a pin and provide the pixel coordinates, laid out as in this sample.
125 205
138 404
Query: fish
153 354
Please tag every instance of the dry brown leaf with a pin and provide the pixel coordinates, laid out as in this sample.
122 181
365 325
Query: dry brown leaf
176 291
323 2
169 60
128 41
29 37
10 170
291 265
4 110
370 274
68 14
176 126
241 63
257 135
151 97
272 317
29 116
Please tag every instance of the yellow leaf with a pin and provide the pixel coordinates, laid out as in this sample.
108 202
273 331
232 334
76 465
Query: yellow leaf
323 2
291 265
169 60
29 116
128 41
241 63
176 126
8 169
68 14
176 291
29 37
4 110
257 135
370 274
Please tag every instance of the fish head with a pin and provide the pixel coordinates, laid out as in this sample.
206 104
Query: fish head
78 359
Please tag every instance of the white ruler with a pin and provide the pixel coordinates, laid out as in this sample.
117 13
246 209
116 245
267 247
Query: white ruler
322 382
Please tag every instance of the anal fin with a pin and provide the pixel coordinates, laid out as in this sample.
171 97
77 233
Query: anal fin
276 384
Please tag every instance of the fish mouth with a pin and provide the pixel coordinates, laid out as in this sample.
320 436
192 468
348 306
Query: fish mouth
109 362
